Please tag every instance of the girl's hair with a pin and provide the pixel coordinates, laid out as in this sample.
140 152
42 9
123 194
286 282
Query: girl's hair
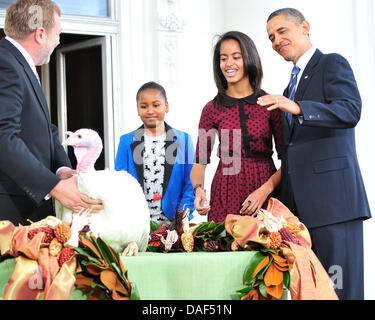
24 16
252 64
154 86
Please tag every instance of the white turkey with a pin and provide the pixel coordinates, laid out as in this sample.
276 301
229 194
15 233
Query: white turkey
125 221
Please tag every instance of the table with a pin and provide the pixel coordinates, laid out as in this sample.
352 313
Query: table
188 276
176 276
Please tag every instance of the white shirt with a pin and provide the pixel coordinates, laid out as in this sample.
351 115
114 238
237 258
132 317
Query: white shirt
25 54
303 61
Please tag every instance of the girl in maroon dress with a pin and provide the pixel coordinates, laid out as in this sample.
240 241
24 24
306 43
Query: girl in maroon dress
246 175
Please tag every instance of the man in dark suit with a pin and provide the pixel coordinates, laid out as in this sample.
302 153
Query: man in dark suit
31 153
321 179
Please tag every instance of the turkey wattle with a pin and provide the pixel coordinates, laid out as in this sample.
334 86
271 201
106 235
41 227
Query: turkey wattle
126 217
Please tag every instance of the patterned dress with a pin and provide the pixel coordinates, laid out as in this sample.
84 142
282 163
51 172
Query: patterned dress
245 130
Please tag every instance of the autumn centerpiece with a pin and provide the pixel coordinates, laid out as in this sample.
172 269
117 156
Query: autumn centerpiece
52 256
45 260
282 256
101 272
279 247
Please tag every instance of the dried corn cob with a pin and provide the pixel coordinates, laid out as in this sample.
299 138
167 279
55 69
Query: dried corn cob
287 235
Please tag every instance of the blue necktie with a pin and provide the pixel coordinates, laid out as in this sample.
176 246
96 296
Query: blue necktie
292 88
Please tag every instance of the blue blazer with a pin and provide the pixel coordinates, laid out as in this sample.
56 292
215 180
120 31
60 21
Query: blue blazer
320 164
177 188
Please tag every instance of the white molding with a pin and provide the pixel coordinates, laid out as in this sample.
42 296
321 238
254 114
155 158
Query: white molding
171 24
89 25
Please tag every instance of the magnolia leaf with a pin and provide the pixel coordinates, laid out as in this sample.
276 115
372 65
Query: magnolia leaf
122 267
153 226
286 279
108 278
263 270
94 269
273 276
153 248
121 288
120 274
94 241
83 282
85 255
134 293
87 243
95 284
204 227
115 254
106 252
274 251
219 229
245 290
97 293
263 289
254 262
275 291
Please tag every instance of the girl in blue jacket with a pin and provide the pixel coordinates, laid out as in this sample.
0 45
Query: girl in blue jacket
158 156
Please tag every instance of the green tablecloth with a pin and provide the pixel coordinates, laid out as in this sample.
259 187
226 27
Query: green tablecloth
188 276
176 276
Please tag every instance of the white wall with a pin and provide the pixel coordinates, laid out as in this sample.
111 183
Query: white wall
144 60
343 26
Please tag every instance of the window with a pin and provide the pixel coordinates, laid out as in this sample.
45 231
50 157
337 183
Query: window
94 8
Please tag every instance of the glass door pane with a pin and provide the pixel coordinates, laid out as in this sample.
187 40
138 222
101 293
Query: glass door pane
5 3
82 94
94 8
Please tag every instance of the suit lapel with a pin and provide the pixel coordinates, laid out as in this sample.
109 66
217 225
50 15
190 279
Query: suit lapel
285 114
302 85
138 148
171 147
38 91
34 83
30 75
307 75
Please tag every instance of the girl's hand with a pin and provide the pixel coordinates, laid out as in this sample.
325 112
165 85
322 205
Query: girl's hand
201 204
254 201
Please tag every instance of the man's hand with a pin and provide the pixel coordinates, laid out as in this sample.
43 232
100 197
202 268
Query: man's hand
279 102
66 173
66 191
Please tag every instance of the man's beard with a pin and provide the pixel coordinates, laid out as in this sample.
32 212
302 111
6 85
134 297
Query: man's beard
45 56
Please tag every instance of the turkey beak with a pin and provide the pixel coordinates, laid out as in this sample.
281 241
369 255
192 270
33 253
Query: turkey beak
66 142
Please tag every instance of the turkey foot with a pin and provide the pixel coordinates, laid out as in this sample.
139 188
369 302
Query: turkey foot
131 249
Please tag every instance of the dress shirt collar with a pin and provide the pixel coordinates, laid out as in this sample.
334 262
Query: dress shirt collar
303 61
25 54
